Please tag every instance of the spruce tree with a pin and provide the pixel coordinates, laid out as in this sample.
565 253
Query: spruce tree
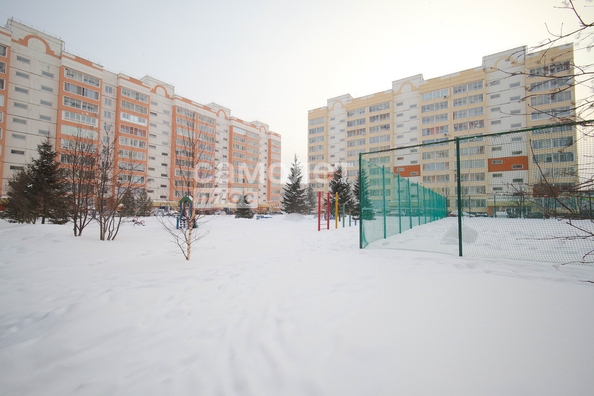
50 188
294 198
20 207
339 184
243 211
144 204
312 199
129 205
363 201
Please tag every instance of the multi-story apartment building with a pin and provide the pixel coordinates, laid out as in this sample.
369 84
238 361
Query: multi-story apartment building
159 135
509 91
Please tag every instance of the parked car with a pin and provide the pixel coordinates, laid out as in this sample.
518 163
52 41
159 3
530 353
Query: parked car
455 214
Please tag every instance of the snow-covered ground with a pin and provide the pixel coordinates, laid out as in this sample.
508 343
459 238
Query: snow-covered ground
545 240
274 307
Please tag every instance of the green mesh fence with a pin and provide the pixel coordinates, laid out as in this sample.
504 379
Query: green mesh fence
522 195
391 204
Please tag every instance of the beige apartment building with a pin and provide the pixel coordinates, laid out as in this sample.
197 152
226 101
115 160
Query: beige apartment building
507 92
45 91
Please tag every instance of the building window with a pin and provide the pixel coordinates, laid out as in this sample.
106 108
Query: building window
46 103
47 74
109 89
82 77
23 59
48 89
518 166
21 90
21 74
20 105
82 91
3 50
440 93
45 118
473 86
19 120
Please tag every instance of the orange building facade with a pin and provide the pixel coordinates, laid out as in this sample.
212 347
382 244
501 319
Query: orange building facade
171 145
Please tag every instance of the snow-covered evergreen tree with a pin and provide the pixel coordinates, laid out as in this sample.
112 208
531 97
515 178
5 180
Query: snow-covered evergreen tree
312 199
294 197
20 207
364 200
129 204
49 188
144 204
339 184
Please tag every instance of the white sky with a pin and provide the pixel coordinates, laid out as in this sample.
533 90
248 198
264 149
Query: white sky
273 60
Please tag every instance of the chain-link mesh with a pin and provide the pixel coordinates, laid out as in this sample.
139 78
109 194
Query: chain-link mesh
391 204
519 195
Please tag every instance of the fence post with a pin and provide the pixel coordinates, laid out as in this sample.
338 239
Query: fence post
408 193
459 196
418 205
384 197
399 208
328 212
319 208
361 194
336 211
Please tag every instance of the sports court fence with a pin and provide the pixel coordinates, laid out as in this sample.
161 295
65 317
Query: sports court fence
523 195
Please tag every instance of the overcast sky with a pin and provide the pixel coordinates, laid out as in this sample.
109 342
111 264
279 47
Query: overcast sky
273 60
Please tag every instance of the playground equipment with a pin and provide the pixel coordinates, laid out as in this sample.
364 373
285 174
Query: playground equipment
325 211
186 207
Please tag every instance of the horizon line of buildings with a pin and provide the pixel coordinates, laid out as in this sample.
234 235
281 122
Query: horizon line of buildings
48 92
510 90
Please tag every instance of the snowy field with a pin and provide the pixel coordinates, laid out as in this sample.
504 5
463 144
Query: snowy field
545 240
274 307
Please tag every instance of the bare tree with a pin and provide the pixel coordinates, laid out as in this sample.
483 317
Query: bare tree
194 178
564 191
118 174
78 160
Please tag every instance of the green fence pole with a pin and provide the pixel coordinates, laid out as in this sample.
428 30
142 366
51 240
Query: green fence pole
418 204
399 208
361 192
409 204
459 196
384 197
